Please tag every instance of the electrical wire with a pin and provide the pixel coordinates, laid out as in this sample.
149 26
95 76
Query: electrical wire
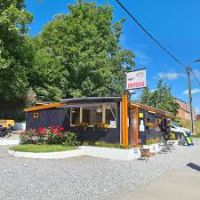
195 77
149 34
154 39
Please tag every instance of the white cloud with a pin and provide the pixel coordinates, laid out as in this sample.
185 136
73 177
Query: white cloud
141 58
153 90
123 40
168 76
194 91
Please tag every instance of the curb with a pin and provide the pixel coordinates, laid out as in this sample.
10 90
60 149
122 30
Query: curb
4 142
48 155
99 152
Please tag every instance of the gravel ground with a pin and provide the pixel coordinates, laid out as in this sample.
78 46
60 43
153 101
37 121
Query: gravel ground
85 177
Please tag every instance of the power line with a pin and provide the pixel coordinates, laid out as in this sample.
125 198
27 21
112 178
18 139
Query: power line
149 34
188 68
195 77
154 39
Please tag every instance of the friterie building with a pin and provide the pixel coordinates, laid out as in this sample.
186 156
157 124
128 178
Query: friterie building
108 119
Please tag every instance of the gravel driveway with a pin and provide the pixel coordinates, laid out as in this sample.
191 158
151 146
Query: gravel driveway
85 177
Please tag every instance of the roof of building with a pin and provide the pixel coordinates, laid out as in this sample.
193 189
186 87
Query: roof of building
89 100
43 107
180 100
151 109
48 105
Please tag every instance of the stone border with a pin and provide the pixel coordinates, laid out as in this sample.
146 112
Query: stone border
155 148
4 142
111 153
101 152
48 155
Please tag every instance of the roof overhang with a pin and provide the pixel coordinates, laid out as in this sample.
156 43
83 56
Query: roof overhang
43 107
151 109
92 99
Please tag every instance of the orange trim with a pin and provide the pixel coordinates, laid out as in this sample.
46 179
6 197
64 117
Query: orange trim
122 120
125 120
43 107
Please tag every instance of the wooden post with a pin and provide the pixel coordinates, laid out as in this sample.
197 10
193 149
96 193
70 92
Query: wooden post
125 119
135 126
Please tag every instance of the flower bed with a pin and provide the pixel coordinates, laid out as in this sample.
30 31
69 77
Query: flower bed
51 135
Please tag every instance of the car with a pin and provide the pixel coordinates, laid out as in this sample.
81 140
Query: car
175 128
7 123
183 135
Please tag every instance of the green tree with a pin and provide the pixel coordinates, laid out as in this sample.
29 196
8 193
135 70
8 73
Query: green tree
146 96
14 50
78 54
161 98
15 56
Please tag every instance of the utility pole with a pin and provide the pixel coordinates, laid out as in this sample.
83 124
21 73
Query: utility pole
188 72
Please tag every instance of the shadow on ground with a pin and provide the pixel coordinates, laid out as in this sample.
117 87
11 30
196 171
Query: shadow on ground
194 166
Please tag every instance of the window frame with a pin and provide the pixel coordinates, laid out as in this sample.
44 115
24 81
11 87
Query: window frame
103 120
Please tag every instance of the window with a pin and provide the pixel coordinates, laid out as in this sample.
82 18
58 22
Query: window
92 116
111 115
95 115
86 116
152 122
35 115
74 116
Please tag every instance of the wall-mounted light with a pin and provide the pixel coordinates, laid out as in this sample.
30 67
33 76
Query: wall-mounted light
151 112
99 110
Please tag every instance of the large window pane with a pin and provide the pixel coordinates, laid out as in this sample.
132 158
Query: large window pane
86 116
92 116
111 115
97 115
75 116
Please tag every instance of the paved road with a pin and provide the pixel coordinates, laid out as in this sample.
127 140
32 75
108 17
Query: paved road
175 185
86 177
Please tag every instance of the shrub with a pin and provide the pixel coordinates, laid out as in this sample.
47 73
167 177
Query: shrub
104 144
28 137
71 139
51 135
152 141
172 136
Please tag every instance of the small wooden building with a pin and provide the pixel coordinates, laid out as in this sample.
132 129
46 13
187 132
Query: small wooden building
109 119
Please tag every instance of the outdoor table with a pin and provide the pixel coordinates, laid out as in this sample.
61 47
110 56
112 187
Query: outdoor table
145 153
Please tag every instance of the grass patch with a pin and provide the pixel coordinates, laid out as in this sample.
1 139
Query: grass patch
196 136
186 124
36 148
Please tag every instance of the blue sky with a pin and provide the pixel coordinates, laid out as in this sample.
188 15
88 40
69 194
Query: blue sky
175 24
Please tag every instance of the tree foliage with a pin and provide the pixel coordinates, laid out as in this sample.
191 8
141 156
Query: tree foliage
78 54
14 50
161 98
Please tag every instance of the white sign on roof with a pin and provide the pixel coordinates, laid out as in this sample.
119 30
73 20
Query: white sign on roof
136 79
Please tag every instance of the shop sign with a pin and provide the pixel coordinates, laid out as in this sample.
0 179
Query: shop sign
136 79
